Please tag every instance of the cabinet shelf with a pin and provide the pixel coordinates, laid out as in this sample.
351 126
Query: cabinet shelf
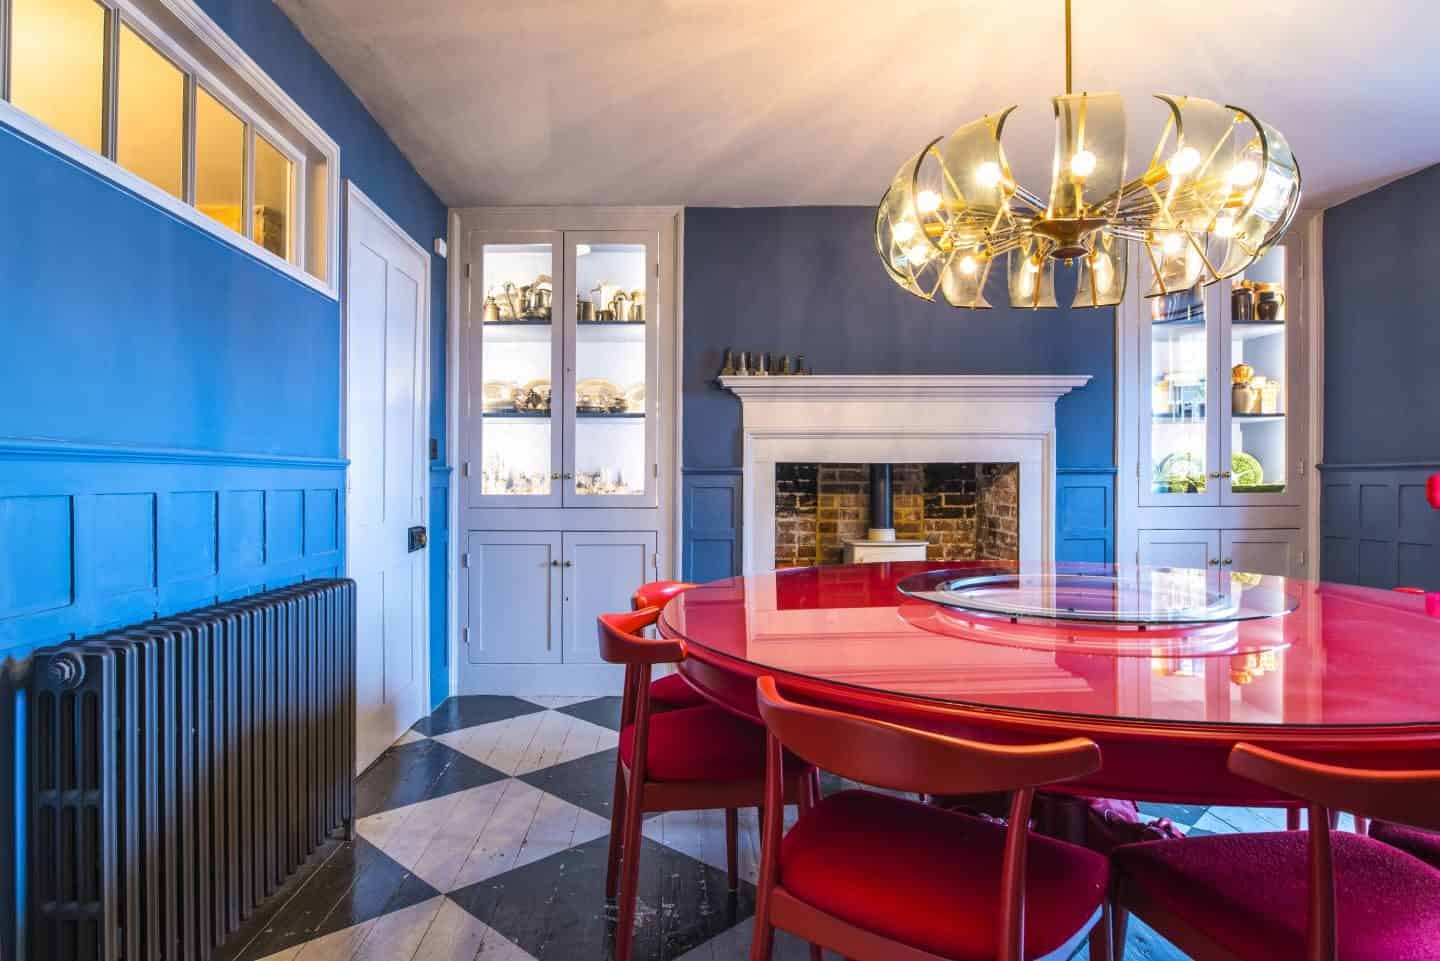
539 331
545 415
1253 329
1257 418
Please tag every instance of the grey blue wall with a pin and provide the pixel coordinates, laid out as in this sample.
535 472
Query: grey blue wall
807 280
1382 408
170 423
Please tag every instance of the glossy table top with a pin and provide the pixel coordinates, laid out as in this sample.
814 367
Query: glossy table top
1346 657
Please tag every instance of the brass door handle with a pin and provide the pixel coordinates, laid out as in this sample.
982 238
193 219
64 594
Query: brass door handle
1214 562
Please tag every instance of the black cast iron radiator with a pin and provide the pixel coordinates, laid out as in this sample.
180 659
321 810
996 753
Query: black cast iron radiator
179 771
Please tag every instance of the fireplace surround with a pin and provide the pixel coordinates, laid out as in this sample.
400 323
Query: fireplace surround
900 419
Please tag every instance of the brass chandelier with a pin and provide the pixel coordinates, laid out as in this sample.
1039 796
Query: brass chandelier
1221 188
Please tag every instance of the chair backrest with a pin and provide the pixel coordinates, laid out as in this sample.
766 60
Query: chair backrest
1405 796
657 593
906 759
621 643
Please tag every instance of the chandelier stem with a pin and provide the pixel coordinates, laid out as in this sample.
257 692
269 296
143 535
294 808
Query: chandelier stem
1068 89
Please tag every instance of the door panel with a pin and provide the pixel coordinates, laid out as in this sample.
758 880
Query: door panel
514 598
1195 549
1262 552
385 362
601 570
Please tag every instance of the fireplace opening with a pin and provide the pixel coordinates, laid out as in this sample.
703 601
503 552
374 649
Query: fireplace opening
951 512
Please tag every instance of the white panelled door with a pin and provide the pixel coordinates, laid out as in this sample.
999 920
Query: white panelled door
385 415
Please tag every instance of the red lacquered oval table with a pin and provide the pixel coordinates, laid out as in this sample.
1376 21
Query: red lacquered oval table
1349 674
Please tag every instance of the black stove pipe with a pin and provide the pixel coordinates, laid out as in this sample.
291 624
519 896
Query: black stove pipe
881 506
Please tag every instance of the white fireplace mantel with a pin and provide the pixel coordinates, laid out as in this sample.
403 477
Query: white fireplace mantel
900 419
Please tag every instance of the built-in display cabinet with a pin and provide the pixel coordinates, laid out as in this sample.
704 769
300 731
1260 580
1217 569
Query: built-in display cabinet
566 468
1216 419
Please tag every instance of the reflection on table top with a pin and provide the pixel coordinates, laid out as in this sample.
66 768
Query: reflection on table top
1346 656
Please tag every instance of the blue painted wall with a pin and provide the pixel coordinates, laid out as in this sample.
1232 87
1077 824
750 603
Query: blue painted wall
807 280
178 401
1382 413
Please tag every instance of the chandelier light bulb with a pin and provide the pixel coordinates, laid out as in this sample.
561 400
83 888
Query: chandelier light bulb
903 231
988 174
1100 265
1225 226
1243 174
968 265
1082 164
1032 266
1172 244
1183 161
927 201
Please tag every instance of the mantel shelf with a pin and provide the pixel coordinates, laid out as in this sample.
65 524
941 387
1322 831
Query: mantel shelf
872 388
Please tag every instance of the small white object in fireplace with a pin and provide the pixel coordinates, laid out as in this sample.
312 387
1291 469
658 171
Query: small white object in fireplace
900 419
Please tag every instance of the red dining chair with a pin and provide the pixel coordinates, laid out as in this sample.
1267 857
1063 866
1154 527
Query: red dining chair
695 758
1317 895
883 878
671 690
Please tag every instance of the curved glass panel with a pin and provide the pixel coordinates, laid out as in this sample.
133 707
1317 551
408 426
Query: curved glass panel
1031 274
1272 194
1139 595
963 278
1102 272
1089 165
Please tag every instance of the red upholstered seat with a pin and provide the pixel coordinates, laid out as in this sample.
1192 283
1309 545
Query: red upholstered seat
699 744
930 878
1425 845
672 690
1249 894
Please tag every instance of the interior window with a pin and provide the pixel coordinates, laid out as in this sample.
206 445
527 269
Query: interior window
219 161
150 132
57 65
273 198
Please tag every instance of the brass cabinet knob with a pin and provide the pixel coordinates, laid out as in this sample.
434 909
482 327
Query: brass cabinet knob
1225 473
554 563
1214 562
1227 562
555 475
569 564
1215 475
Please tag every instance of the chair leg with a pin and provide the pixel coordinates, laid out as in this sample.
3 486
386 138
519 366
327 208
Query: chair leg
629 880
732 847
1100 947
1362 825
617 826
1292 819
1119 928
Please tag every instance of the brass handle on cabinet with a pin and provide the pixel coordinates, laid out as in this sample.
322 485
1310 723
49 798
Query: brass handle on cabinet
567 476
1225 473
555 475
569 564
1227 562
554 563
1214 475
1214 562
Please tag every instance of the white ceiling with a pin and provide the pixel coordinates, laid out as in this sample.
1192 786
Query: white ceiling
757 102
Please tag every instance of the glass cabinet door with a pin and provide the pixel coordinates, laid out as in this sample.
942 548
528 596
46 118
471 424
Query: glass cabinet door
514 458
1260 371
1178 446
612 310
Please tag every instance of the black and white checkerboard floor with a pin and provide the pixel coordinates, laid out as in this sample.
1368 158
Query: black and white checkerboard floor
482 836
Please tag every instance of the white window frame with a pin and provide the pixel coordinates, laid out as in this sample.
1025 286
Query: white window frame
202 35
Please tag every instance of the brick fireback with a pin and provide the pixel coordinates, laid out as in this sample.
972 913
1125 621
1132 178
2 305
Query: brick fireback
965 511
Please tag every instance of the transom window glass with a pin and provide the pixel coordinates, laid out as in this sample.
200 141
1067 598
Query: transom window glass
57 65
178 113
151 129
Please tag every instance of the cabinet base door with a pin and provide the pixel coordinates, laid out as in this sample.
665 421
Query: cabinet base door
1192 550
1263 552
602 570
513 598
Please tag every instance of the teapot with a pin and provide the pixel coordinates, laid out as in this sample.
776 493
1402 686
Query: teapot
622 306
537 299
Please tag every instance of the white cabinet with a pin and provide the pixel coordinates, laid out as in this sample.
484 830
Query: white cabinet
512 580
601 570
1263 552
1214 417
567 374
1221 553
1194 549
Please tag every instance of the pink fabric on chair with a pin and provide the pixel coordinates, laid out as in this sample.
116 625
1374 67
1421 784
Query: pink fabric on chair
861 856
1249 894
673 691
1425 845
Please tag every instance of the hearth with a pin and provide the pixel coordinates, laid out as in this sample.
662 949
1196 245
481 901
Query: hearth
965 511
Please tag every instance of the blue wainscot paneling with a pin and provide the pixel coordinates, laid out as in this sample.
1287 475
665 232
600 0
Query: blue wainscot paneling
439 596
93 538
1376 528
1085 514
712 524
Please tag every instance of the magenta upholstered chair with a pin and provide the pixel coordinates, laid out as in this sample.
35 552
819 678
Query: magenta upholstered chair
1312 895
